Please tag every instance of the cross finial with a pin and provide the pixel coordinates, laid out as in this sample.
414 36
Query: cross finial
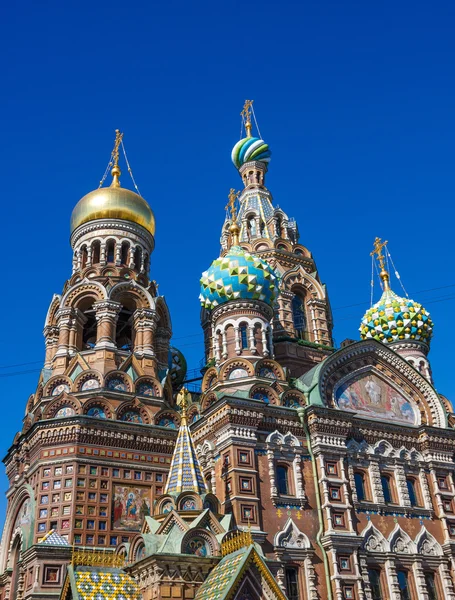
377 250
114 159
234 228
183 400
246 116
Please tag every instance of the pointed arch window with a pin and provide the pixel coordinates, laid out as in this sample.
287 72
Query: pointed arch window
298 316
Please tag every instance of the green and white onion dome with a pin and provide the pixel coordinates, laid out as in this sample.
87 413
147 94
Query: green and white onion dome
393 319
238 275
249 149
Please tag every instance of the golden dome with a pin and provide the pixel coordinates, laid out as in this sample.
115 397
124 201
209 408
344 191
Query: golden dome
113 202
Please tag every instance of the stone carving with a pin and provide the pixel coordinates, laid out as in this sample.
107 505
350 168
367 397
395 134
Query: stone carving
292 537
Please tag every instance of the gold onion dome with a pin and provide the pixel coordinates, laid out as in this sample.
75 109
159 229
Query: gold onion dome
113 202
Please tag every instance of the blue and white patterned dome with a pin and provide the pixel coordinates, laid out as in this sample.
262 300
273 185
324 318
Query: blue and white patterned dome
238 275
248 149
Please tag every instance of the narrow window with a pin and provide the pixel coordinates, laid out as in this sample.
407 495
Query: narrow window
244 336
298 316
124 254
410 484
282 479
403 584
84 257
360 486
292 585
110 252
431 586
374 577
96 253
385 481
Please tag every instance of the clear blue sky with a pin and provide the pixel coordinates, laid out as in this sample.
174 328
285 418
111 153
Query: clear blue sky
356 100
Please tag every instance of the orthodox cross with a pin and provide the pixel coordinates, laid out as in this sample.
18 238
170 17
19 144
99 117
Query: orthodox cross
246 116
233 195
183 400
377 249
115 152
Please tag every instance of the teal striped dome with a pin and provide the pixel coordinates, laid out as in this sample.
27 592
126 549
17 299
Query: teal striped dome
238 275
249 149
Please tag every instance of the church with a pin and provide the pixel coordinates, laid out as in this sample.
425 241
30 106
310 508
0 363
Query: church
295 470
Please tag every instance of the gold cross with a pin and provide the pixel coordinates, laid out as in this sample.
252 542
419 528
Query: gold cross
233 195
377 249
246 115
115 153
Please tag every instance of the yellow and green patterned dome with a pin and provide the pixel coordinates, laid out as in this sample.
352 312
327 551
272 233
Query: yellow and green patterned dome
238 275
393 319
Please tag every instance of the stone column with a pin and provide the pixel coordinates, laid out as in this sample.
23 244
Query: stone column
446 580
106 313
251 338
419 579
65 322
145 323
425 489
299 492
103 253
392 580
310 578
265 350
376 486
238 347
224 342
400 478
51 341
271 460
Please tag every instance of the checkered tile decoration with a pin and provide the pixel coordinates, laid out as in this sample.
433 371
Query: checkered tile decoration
185 473
238 275
393 319
95 584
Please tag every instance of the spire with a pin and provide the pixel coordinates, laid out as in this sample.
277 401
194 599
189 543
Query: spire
234 228
185 474
377 250
114 159
246 116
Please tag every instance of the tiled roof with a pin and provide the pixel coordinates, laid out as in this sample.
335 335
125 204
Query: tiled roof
103 583
53 539
185 473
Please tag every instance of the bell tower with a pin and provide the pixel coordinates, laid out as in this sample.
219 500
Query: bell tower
302 323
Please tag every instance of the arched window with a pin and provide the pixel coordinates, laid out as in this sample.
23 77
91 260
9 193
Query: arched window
432 588
87 337
243 336
282 479
124 253
359 479
298 316
138 257
410 484
96 247
110 251
83 257
386 488
124 333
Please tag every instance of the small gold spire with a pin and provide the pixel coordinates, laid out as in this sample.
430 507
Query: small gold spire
234 228
183 400
377 250
114 159
246 115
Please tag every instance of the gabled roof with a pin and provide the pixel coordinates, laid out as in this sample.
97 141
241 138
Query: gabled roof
225 579
185 474
88 583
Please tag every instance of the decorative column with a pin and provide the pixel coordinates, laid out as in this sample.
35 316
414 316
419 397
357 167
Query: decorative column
419 578
51 342
425 489
118 253
360 591
224 342
145 327
402 489
310 578
352 481
265 350
103 253
76 326
131 257
366 579
300 492
251 338
376 486
65 321
89 255
271 460
106 313
447 583
392 579
238 348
